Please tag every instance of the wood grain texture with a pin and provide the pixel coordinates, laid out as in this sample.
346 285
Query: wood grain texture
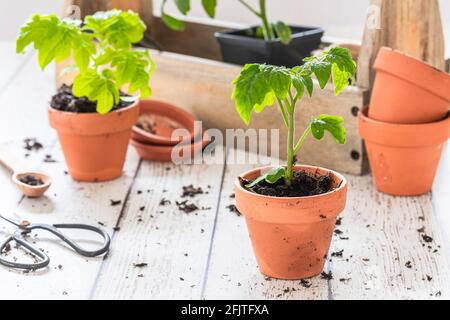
383 241
233 272
411 26
173 244
204 87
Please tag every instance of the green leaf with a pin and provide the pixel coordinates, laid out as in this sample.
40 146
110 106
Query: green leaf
340 79
210 7
183 5
84 49
97 87
322 70
256 88
271 177
117 28
283 31
172 22
299 86
307 81
332 124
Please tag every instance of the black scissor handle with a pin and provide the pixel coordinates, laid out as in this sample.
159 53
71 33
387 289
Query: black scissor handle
44 259
55 230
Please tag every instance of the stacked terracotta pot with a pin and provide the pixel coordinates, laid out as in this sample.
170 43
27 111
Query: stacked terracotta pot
166 133
407 123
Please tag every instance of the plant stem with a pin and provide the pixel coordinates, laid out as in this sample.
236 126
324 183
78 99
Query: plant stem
267 28
283 112
302 140
290 146
249 7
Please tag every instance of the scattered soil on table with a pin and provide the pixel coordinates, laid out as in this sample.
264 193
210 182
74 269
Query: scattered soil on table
305 283
164 202
49 159
408 264
338 221
233 209
31 180
303 184
191 191
326 276
140 265
338 253
32 144
64 100
186 206
115 202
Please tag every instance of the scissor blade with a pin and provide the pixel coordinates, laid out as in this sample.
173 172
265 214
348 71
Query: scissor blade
16 223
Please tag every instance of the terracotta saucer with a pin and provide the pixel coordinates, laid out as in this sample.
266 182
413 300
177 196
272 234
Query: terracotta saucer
164 153
158 120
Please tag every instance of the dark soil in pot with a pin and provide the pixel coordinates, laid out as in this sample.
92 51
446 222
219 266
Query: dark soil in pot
242 46
31 180
303 184
64 100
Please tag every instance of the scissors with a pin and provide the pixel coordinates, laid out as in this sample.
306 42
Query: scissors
25 227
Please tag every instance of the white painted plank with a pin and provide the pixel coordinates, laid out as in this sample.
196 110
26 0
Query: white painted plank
174 244
441 192
233 272
383 240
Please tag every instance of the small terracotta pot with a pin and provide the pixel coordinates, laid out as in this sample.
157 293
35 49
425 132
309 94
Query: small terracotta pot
164 153
403 157
291 236
167 119
94 145
407 90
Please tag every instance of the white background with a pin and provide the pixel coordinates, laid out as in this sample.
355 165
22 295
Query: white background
343 18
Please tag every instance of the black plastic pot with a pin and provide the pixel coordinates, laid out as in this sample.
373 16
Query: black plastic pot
241 47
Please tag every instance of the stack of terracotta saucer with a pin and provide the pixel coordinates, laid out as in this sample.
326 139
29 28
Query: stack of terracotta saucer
407 123
165 132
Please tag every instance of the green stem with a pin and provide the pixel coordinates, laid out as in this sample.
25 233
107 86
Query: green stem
290 147
267 28
283 112
302 140
249 7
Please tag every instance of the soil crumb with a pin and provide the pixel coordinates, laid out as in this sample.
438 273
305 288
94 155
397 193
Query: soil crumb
64 100
32 144
303 184
191 191
186 207
31 180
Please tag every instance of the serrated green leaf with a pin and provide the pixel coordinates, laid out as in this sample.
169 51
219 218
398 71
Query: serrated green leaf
256 88
210 7
299 86
332 124
271 177
283 31
340 79
307 81
97 87
322 70
184 6
172 22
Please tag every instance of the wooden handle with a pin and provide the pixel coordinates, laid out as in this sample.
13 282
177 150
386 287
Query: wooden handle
11 162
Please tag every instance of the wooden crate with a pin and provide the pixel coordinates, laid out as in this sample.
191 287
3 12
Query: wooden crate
190 75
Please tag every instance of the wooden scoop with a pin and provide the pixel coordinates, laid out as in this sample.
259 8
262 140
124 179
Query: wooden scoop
25 179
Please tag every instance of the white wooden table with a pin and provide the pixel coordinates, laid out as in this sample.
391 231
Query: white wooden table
204 254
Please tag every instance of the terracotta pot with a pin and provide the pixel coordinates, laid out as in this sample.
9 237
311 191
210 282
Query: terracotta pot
166 118
164 153
403 157
94 145
407 90
291 236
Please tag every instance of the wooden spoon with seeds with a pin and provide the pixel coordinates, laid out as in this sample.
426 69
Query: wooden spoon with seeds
32 184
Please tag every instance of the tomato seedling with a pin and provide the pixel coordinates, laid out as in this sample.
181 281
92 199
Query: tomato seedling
101 46
260 85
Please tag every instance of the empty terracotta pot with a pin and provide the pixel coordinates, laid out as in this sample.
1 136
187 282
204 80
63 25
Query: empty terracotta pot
291 236
94 145
403 157
163 119
407 90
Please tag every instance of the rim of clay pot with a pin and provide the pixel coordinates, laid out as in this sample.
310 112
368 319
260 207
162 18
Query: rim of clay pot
163 153
295 209
403 135
170 111
93 123
413 70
